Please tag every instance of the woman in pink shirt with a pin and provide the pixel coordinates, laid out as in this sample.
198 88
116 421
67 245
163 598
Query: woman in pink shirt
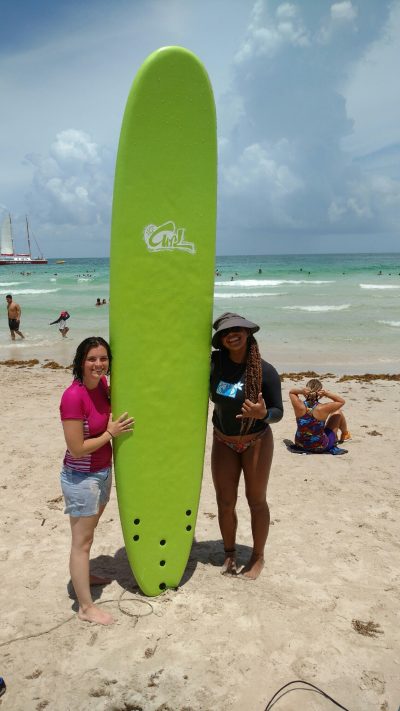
86 474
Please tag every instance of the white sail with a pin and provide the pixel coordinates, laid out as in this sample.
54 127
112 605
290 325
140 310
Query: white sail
6 237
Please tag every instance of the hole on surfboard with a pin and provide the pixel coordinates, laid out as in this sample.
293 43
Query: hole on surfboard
136 538
163 542
188 528
162 563
188 512
136 521
162 586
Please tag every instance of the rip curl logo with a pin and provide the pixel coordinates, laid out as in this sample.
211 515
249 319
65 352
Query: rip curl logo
167 237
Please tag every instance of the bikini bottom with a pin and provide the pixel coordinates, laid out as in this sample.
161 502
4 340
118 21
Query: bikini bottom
241 447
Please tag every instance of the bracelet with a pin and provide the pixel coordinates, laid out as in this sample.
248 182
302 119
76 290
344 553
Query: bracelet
109 433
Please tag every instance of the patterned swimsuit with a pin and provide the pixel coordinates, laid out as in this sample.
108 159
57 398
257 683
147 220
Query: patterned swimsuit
311 433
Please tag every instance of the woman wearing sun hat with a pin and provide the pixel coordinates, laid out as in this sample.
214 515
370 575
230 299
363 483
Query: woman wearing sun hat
247 397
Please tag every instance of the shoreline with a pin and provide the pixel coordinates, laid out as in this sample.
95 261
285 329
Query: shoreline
317 316
294 376
63 350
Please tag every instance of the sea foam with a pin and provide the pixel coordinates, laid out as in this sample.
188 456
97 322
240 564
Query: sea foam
269 282
30 291
380 286
395 324
341 307
11 283
247 295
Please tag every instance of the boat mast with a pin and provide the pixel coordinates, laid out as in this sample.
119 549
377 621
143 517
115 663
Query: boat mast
27 234
11 235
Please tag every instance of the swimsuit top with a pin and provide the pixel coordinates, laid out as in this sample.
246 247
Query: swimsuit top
310 432
227 383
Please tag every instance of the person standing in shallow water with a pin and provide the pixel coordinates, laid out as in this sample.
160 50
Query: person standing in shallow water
247 396
14 317
86 474
61 321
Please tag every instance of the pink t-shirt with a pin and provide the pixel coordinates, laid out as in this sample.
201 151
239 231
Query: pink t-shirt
93 408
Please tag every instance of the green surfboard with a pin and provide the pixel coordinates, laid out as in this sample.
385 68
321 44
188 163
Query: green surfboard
161 296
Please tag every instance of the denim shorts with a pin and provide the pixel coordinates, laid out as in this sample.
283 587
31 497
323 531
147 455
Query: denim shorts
85 493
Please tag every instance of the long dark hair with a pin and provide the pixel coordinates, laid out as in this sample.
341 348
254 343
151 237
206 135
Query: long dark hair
82 351
253 378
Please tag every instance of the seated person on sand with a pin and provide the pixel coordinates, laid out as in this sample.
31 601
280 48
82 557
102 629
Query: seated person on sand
318 423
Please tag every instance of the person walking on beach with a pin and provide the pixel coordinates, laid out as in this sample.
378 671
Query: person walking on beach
247 397
318 423
86 475
14 317
62 327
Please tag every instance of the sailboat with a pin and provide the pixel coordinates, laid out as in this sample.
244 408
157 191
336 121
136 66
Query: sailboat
7 252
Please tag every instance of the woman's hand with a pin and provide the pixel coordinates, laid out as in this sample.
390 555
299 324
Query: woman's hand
255 410
120 426
331 396
300 391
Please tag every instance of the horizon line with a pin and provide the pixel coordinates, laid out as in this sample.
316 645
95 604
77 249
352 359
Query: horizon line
281 254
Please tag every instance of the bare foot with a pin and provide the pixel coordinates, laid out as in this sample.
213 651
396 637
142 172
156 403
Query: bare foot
98 580
94 614
229 567
254 567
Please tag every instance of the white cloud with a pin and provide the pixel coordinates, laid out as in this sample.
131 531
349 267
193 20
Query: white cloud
336 210
343 11
71 185
359 207
74 147
256 187
286 11
372 200
285 164
342 15
387 189
257 168
372 92
266 35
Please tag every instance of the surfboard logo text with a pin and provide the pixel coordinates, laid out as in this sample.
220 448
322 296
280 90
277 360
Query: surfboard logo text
167 237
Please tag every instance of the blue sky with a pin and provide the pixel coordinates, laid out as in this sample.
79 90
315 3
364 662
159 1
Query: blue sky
308 109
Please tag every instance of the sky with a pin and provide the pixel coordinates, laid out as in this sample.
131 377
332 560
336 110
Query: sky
308 112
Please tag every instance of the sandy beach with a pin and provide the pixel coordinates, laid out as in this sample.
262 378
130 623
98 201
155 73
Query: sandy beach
325 608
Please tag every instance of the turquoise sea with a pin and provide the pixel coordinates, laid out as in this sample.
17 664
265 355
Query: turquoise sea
336 312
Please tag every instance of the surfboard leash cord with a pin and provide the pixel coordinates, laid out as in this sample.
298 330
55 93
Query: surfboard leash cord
72 617
309 687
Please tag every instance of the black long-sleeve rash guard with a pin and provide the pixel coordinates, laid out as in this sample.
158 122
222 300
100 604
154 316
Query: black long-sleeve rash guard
227 383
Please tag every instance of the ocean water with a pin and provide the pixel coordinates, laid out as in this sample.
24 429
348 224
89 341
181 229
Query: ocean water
323 312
